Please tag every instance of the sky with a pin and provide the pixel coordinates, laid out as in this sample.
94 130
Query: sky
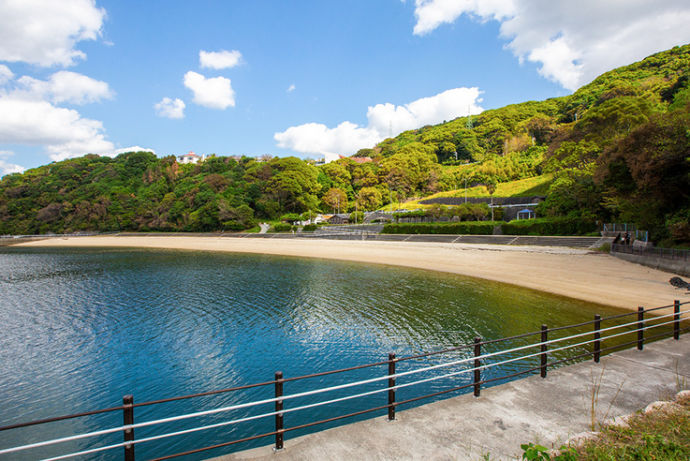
304 77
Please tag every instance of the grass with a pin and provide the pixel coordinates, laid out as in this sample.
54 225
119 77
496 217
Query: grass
660 435
528 187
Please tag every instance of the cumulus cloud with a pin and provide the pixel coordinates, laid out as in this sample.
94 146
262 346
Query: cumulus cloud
45 32
6 167
5 74
572 42
65 86
63 132
432 13
214 93
170 108
383 120
220 59
291 88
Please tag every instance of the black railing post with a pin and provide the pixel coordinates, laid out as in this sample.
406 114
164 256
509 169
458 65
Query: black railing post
597 338
676 319
640 328
279 409
477 364
544 335
128 420
391 385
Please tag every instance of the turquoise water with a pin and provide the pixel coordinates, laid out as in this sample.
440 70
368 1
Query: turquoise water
82 328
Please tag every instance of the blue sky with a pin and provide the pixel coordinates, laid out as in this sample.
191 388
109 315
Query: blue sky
292 78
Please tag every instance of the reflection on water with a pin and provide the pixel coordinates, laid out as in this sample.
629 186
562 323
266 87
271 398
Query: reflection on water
83 328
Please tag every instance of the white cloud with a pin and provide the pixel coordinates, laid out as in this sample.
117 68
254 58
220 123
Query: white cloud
383 120
170 108
45 32
573 42
6 167
220 59
65 86
432 13
316 138
62 132
291 88
214 93
5 74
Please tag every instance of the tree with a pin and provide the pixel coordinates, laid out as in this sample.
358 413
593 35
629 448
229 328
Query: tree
369 198
335 199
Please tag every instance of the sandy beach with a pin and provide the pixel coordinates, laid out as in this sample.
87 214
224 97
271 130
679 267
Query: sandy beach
580 274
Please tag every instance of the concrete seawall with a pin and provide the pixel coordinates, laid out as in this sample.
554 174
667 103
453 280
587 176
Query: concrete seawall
673 266
547 411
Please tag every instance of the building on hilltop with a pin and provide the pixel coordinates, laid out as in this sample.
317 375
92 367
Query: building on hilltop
190 157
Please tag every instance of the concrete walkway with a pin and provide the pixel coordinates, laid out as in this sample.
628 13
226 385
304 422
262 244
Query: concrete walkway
547 411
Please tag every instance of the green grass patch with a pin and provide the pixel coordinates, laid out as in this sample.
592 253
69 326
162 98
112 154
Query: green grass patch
528 187
660 435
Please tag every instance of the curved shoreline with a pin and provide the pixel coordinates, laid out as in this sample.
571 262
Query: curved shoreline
579 274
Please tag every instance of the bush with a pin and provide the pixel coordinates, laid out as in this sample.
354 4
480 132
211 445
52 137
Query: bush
281 227
550 226
309 228
467 227
291 217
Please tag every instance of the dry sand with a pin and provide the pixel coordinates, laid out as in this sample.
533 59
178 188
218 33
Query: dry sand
580 274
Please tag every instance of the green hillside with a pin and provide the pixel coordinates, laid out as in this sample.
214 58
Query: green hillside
615 150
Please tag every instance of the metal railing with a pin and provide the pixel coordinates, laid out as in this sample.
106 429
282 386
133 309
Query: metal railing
665 253
479 359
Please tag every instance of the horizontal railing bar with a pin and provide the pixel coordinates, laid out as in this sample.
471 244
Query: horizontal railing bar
486 381
335 418
203 394
435 394
512 375
570 359
427 354
349 384
618 346
509 338
61 418
343 386
582 324
660 335
211 447
324 373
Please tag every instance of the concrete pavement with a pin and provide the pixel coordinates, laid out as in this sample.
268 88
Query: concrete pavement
546 411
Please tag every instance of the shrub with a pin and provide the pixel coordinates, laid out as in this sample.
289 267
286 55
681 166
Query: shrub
309 228
467 227
281 227
550 226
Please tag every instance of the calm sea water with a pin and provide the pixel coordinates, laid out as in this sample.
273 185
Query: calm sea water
82 328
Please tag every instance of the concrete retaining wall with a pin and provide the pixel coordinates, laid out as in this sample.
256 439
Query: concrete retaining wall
674 266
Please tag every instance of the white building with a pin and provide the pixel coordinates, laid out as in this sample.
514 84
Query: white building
190 157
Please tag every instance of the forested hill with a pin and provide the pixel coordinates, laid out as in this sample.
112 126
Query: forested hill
617 149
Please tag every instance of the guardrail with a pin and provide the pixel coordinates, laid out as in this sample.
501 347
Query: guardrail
665 253
477 360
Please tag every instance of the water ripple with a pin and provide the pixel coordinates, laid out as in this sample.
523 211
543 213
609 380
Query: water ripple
83 328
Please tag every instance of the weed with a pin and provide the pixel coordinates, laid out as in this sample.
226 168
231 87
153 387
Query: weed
594 399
